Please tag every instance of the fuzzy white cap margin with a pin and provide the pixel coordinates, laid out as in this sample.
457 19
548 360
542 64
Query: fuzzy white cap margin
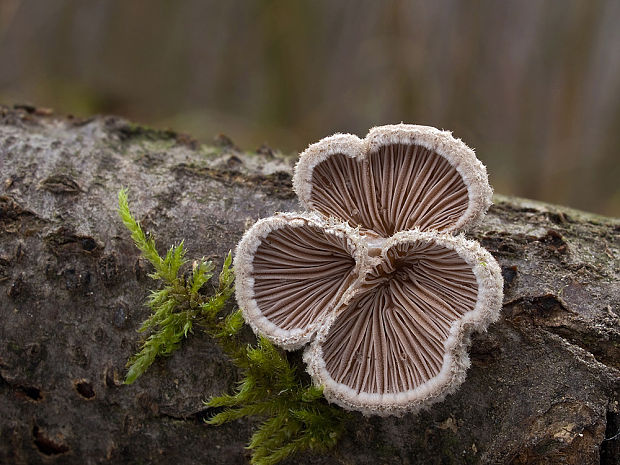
244 272
454 150
456 358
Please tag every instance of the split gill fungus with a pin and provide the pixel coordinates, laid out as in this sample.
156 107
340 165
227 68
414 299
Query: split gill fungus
376 277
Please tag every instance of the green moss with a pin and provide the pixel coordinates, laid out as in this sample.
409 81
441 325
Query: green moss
132 131
178 306
295 416
210 151
158 145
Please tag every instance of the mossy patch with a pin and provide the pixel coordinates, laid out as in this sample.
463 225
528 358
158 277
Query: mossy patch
295 415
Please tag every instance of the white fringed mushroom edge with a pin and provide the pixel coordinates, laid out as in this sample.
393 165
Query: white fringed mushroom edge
459 155
456 358
244 273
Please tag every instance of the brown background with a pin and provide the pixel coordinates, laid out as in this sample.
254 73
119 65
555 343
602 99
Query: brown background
534 86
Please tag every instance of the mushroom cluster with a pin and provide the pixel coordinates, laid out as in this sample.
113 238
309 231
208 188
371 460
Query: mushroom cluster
376 276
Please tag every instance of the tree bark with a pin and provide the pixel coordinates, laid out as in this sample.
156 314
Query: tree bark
544 381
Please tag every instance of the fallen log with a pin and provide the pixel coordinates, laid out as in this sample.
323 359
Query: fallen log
544 382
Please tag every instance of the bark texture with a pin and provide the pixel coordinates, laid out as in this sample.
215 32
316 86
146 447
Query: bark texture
544 383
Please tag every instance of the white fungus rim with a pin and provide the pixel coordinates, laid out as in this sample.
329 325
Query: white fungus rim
244 271
485 268
456 357
453 150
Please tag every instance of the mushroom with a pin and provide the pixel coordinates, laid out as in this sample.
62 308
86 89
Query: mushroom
400 341
375 277
399 177
291 270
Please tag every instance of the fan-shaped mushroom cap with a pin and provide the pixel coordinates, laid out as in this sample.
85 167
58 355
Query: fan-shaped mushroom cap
399 177
376 277
401 341
291 270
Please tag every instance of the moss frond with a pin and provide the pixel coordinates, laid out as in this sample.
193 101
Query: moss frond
296 416
178 305
143 242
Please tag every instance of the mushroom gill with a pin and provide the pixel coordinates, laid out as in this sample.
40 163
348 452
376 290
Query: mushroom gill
298 272
376 277
395 188
391 338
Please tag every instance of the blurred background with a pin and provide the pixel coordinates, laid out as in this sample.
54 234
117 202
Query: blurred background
533 86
